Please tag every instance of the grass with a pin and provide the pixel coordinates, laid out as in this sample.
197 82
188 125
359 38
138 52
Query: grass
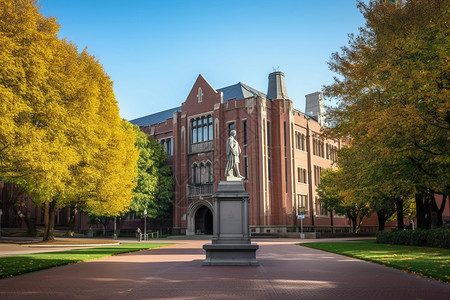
425 261
20 264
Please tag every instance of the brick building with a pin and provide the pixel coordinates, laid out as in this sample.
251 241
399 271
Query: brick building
282 155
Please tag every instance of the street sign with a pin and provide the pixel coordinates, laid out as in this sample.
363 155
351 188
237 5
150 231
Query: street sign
300 217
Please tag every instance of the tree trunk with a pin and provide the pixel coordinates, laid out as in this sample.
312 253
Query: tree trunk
399 205
18 201
423 209
420 210
381 220
439 210
49 221
72 211
354 223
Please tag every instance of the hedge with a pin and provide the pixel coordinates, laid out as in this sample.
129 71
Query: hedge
439 237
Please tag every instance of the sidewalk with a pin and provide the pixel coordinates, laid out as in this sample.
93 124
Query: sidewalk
287 271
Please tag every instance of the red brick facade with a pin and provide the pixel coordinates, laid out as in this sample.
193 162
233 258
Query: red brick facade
279 145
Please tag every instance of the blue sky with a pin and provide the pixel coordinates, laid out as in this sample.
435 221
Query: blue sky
154 50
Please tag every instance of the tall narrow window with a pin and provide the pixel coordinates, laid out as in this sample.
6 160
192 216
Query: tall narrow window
268 134
199 130
230 127
246 166
269 171
201 177
205 129
169 147
210 128
244 124
194 174
209 172
194 131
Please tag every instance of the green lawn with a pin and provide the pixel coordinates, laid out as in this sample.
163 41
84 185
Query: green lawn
425 261
15 265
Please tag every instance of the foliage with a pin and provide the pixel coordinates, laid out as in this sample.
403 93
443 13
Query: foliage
61 136
337 191
424 261
20 264
393 91
155 182
439 237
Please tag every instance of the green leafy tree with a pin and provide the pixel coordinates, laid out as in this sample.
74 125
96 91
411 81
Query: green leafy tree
338 192
154 189
393 91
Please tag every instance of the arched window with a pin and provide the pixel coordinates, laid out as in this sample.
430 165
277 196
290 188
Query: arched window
194 174
202 177
208 172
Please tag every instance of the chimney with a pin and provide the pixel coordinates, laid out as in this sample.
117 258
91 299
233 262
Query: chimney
277 86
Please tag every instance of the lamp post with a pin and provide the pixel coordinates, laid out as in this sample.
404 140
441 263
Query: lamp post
145 224
115 229
301 216
1 213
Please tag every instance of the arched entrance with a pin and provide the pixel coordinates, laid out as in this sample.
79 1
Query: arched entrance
203 221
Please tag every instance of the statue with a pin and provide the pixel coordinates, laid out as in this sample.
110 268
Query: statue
233 150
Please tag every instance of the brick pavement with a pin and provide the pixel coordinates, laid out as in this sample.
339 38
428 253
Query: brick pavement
287 271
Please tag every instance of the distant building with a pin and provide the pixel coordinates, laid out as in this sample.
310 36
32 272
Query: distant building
315 107
282 157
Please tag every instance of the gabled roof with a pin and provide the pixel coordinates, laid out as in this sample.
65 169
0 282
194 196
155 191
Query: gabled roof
156 118
239 91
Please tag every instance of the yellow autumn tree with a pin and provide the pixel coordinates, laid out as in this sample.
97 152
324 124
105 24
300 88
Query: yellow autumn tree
61 136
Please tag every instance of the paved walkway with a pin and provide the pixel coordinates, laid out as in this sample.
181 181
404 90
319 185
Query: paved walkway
287 271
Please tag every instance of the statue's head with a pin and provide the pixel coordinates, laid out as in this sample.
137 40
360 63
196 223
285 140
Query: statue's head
233 133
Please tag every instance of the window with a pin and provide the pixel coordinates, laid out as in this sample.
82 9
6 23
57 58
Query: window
317 173
301 175
199 130
268 134
210 128
320 209
318 147
194 174
246 166
331 152
230 127
205 129
302 142
168 146
201 177
269 168
194 131
303 202
244 124
202 129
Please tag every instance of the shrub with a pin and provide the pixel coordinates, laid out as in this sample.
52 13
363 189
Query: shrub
439 237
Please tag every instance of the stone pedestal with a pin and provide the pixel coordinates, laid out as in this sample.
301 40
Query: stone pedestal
231 244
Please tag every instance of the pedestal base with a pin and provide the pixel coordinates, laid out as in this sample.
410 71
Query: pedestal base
230 255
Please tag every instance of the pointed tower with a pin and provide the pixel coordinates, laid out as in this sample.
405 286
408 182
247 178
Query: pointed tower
277 86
